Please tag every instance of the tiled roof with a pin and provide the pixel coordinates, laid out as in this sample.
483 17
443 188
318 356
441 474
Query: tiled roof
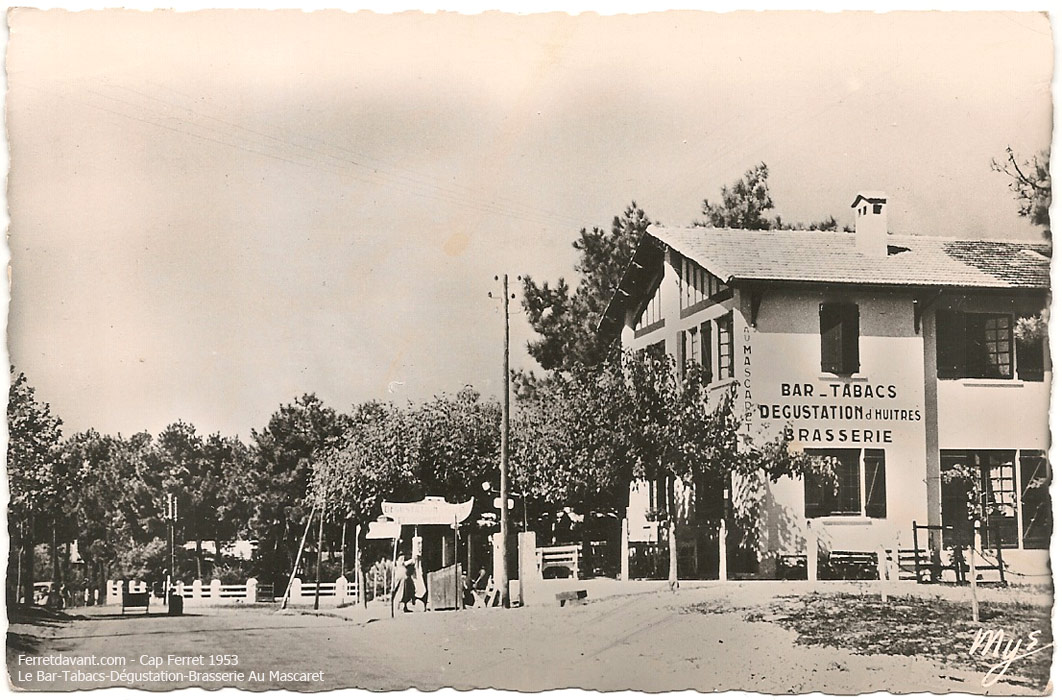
832 257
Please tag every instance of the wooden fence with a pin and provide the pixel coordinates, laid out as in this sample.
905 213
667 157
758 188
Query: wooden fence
217 593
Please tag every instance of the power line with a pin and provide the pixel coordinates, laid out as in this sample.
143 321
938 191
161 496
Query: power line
413 176
452 194
313 163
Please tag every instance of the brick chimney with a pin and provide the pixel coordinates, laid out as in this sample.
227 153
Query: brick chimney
871 229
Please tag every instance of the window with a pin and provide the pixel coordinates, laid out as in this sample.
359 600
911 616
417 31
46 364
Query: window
698 285
979 346
995 473
725 344
858 486
653 315
706 348
839 333
1035 500
689 349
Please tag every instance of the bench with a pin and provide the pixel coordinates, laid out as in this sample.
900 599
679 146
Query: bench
136 600
853 565
574 597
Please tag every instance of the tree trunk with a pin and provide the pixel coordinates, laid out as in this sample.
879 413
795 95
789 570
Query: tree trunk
358 554
53 553
672 556
672 538
27 575
343 550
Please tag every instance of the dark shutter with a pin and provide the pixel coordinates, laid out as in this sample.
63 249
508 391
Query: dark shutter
680 355
1030 359
706 348
951 344
874 483
830 333
816 503
839 333
850 338
1035 500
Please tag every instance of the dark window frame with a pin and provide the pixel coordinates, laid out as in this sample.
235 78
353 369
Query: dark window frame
724 346
998 474
969 347
860 485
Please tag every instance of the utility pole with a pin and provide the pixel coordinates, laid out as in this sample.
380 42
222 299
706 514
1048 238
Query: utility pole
320 542
171 515
501 578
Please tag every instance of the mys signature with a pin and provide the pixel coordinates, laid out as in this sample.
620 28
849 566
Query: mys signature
995 644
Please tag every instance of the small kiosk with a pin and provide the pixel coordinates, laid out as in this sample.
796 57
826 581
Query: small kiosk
434 542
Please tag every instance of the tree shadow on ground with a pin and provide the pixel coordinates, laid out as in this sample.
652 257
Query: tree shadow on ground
23 643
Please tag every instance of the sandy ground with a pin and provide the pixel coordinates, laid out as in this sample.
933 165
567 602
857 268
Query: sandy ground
642 641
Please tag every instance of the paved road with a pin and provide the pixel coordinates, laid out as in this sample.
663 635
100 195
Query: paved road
643 642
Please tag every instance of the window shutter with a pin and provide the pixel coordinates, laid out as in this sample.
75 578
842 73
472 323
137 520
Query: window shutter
815 503
830 333
874 483
850 338
1030 359
680 355
1035 500
706 348
951 344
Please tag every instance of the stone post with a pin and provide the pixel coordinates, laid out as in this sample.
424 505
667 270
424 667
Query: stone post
722 550
215 590
341 590
296 590
528 566
251 594
197 590
179 588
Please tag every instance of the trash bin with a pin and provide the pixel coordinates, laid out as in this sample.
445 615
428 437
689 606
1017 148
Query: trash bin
176 605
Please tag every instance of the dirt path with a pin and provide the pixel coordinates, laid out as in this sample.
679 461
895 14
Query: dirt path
646 642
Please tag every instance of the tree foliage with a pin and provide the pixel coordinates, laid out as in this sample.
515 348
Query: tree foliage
746 205
742 205
1031 183
37 481
566 319
570 441
445 447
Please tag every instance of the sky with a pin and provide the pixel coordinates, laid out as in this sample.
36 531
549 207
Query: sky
213 213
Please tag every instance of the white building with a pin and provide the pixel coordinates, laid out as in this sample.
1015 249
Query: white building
900 356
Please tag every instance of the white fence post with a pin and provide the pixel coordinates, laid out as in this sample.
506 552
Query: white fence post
215 590
197 589
179 587
341 590
251 595
296 590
